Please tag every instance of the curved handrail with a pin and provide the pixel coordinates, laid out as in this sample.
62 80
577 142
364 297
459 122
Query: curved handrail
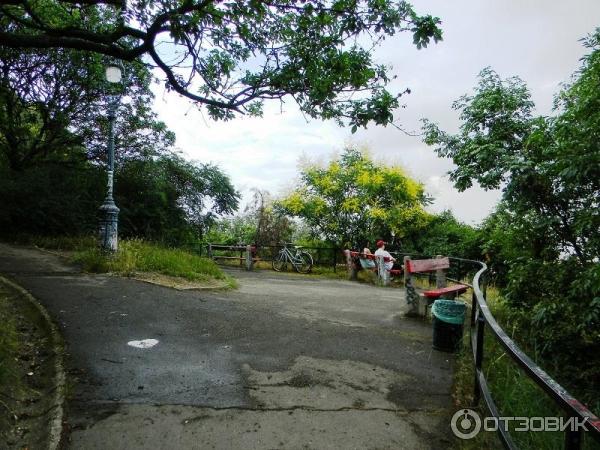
480 315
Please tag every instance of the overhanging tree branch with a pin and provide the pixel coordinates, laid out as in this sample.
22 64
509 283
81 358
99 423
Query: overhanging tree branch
244 52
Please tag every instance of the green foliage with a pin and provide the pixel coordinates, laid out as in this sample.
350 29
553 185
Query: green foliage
259 224
496 122
50 199
139 256
272 227
53 103
542 243
166 199
240 54
232 230
171 200
355 200
443 234
53 136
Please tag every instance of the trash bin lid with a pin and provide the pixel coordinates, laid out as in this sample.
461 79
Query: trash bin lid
449 311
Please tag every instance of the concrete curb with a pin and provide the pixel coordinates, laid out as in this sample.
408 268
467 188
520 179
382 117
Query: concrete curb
218 287
56 411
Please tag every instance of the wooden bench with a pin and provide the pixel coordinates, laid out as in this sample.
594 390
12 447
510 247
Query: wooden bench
419 303
353 262
248 254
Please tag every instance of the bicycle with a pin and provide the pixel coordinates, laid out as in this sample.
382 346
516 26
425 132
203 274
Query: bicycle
302 261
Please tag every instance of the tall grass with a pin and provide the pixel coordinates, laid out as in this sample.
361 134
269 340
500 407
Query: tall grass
138 256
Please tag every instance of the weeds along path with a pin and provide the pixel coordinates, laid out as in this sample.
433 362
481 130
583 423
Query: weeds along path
285 361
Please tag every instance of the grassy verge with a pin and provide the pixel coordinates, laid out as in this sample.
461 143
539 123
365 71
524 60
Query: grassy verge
514 393
9 345
26 373
136 256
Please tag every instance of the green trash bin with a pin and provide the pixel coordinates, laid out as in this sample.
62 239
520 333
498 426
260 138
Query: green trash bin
448 320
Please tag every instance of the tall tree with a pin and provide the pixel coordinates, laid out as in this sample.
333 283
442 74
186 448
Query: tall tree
170 199
354 200
544 239
232 56
547 166
55 100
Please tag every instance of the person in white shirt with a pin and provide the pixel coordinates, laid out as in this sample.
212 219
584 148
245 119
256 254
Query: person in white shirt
381 251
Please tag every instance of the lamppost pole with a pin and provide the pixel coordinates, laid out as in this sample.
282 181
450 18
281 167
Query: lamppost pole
109 211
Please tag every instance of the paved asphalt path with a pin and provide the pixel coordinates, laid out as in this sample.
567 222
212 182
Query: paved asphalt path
285 361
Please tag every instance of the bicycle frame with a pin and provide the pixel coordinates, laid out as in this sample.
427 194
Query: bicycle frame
294 259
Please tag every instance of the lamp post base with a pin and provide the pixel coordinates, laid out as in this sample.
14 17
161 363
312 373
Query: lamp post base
109 224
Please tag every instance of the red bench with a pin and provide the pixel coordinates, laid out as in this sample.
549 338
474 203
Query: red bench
437 293
372 257
353 263
437 265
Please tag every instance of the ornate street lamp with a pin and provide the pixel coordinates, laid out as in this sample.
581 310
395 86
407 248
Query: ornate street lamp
109 212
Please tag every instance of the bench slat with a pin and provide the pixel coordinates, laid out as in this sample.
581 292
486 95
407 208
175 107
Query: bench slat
427 265
436 293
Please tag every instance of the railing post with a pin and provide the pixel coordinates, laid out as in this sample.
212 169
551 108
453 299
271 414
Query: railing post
334 260
440 276
573 440
350 265
412 299
474 307
210 253
478 358
249 259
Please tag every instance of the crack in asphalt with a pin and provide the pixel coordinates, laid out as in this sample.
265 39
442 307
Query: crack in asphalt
287 409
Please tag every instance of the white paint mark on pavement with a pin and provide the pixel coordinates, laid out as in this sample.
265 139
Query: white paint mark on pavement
144 343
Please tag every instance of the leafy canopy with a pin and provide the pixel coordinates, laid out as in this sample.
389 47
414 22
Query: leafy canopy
354 200
53 101
548 167
231 56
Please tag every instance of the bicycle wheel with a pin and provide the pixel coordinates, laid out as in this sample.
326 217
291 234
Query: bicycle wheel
279 263
305 262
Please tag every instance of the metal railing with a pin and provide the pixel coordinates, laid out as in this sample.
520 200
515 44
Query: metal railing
482 318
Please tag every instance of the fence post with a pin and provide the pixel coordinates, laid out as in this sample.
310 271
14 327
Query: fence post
210 253
474 307
334 260
478 358
249 259
412 299
384 275
350 265
440 276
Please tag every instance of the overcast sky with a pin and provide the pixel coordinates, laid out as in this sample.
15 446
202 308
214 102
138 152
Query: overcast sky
537 40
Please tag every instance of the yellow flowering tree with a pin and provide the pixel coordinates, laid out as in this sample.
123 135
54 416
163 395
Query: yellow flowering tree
354 200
